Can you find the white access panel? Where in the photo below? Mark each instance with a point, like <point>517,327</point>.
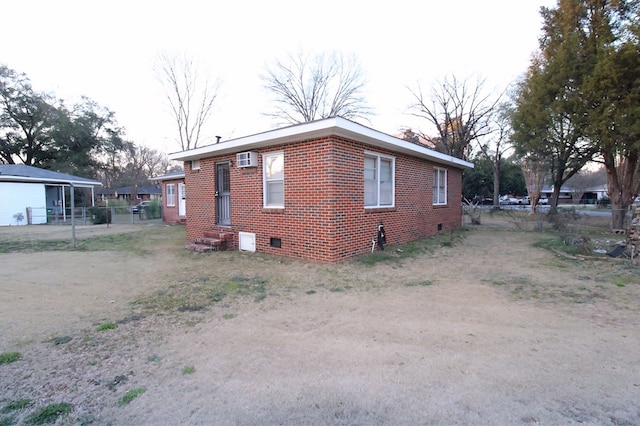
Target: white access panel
<point>247,241</point>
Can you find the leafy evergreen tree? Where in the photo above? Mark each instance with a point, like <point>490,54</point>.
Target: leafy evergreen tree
<point>580,99</point>
<point>614,90</point>
<point>37,129</point>
<point>550,107</point>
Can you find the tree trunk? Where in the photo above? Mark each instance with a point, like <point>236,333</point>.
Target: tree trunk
<point>617,217</point>
<point>553,202</point>
<point>622,178</point>
<point>620,202</point>
<point>496,184</point>
<point>534,204</point>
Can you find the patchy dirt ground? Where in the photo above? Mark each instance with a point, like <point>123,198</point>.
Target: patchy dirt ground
<point>485,329</point>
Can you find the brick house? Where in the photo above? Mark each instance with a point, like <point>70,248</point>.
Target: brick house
<point>173,197</point>
<point>319,190</point>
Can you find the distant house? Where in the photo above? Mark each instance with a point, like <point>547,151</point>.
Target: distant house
<point>571,195</point>
<point>320,190</point>
<point>174,205</point>
<point>596,194</point>
<point>565,196</point>
<point>37,194</point>
<point>134,195</point>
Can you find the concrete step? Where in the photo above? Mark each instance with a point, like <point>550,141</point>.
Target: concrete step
<point>221,235</point>
<point>200,248</point>
<point>208,241</point>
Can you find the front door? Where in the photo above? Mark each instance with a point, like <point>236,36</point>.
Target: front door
<point>182,202</point>
<point>223,194</point>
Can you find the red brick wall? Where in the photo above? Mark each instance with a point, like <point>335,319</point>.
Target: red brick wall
<point>324,216</point>
<point>199,194</point>
<point>170,213</point>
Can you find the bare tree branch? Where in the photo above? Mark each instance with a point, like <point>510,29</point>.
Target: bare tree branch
<point>307,88</point>
<point>459,111</point>
<point>190,96</point>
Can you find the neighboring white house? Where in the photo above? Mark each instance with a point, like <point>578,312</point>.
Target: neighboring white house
<point>29,194</point>
<point>571,195</point>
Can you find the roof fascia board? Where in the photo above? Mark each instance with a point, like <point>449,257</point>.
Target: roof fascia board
<point>337,126</point>
<point>167,177</point>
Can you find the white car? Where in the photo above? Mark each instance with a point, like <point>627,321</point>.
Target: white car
<point>506,200</point>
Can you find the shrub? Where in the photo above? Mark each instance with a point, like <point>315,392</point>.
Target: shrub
<point>100,215</point>
<point>153,210</point>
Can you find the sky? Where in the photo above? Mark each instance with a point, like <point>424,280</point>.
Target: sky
<point>106,50</point>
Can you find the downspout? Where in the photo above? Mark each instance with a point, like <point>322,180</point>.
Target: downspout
<point>64,205</point>
<point>73,215</point>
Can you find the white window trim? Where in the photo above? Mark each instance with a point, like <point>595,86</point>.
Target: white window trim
<point>436,184</point>
<point>264,181</point>
<point>195,164</point>
<point>171,198</point>
<point>379,156</point>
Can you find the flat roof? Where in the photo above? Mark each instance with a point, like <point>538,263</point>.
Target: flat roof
<point>24,173</point>
<point>168,176</point>
<point>334,126</point>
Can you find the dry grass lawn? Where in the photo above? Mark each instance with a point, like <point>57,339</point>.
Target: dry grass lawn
<point>482,326</point>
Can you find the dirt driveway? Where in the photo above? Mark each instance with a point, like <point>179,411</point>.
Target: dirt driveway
<point>487,329</point>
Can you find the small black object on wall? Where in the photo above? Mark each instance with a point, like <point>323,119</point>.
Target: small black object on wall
<point>382,237</point>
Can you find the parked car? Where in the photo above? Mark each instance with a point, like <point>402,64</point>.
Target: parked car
<point>139,208</point>
<point>543,201</point>
<point>507,200</point>
<point>484,201</point>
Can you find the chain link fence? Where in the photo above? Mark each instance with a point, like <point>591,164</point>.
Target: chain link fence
<point>91,215</point>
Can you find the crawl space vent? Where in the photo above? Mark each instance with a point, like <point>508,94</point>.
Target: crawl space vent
<point>275,242</point>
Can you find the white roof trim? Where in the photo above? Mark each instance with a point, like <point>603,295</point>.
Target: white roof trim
<point>45,181</point>
<point>337,126</point>
<point>167,177</point>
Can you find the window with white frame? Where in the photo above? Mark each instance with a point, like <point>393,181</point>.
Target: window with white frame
<point>171,194</point>
<point>439,186</point>
<point>379,183</point>
<point>273,179</point>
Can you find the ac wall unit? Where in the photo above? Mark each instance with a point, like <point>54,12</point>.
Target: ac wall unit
<point>247,159</point>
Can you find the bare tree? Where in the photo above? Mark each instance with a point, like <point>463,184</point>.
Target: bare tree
<point>536,170</point>
<point>497,144</point>
<point>114,163</point>
<point>309,87</point>
<point>146,163</point>
<point>190,95</point>
<point>459,111</point>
